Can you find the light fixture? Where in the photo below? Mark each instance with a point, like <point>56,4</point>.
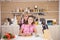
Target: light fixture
<point>35,6</point>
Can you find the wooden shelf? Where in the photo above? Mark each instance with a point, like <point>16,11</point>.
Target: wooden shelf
<point>23,12</point>
<point>16,12</point>
<point>40,13</point>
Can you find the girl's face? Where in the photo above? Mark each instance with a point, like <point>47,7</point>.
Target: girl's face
<point>30,20</point>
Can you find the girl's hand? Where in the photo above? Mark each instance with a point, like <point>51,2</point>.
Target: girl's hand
<point>26,34</point>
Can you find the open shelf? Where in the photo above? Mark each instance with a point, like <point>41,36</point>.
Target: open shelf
<point>18,13</point>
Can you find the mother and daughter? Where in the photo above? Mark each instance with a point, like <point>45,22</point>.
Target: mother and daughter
<point>28,27</point>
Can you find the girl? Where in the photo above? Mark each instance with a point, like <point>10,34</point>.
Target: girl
<point>28,28</point>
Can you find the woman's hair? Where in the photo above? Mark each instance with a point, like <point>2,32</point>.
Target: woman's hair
<point>25,21</point>
<point>25,14</point>
<point>32,17</point>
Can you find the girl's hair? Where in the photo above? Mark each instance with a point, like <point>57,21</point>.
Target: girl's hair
<point>33,19</point>
<point>26,21</point>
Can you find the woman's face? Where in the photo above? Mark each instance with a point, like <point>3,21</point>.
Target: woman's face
<point>30,20</point>
<point>25,17</point>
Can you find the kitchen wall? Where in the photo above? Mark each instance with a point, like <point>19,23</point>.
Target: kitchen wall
<point>28,0</point>
<point>0,19</point>
<point>52,7</point>
<point>0,13</point>
<point>59,11</point>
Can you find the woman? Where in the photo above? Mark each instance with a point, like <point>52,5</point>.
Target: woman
<point>28,28</point>
<point>23,19</point>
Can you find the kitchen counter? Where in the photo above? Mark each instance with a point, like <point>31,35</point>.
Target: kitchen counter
<point>54,30</point>
<point>29,38</point>
<point>14,29</point>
